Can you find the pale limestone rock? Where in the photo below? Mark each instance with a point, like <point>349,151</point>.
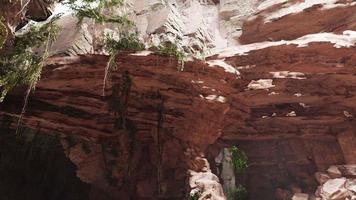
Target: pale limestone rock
<point>347,170</point>
<point>260,84</point>
<point>300,196</point>
<point>205,183</point>
<point>351,186</point>
<point>227,172</point>
<point>73,39</point>
<point>321,177</point>
<point>196,26</point>
<point>288,74</point>
<point>334,172</point>
<point>334,189</point>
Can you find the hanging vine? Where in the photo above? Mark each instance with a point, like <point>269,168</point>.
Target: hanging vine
<point>127,42</point>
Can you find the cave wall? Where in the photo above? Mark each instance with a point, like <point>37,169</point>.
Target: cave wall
<point>33,166</point>
<point>287,163</point>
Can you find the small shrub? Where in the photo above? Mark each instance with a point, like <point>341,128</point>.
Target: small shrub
<point>194,196</point>
<point>239,160</point>
<point>171,49</point>
<point>238,193</point>
<point>97,10</point>
<point>21,65</point>
<point>126,42</point>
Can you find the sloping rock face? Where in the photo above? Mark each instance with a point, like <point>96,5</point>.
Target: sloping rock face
<point>147,157</point>
<point>196,26</point>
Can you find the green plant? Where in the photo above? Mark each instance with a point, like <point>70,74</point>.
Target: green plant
<point>127,42</point>
<point>239,160</point>
<point>21,65</point>
<point>170,49</point>
<point>98,10</point>
<point>237,193</point>
<point>101,11</point>
<point>194,196</point>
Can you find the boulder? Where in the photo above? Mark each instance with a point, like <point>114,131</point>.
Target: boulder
<point>351,186</point>
<point>334,189</point>
<point>334,172</point>
<point>74,38</point>
<point>205,183</point>
<point>347,170</point>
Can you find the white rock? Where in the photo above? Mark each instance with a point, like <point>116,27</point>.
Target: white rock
<point>334,189</point>
<point>227,171</point>
<point>260,84</point>
<point>72,39</point>
<point>206,184</point>
<point>351,185</point>
<point>347,170</point>
<point>221,63</point>
<point>334,172</point>
<point>291,114</point>
<point>300,196</point>
<point>288,74</point>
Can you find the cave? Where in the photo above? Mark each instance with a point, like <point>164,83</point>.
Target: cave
<point>33,166</point>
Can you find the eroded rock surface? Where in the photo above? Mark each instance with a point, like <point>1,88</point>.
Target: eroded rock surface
<point>286,96</point>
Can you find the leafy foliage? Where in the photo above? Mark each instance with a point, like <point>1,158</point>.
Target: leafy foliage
<point>97,10</point>
<point>171,50</point>
<point>127,42</point>
<point>238,193</point>
<point>239,159</point>
<point>21,65</point>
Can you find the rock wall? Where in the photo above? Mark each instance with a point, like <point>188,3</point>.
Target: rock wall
<point>34,167</point>
<point>149,159</point>
<point>285,95</point>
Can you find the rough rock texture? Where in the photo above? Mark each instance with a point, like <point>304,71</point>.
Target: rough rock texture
<point>74,38</point>
<point>342,187</point>
<point>196,26</point>
<point>204,183</point>
<point>67,102</point>
<point>290,107</point>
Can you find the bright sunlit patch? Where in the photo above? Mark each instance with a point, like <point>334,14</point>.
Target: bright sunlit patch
<point>347,39</point>
<point>61,9</point>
